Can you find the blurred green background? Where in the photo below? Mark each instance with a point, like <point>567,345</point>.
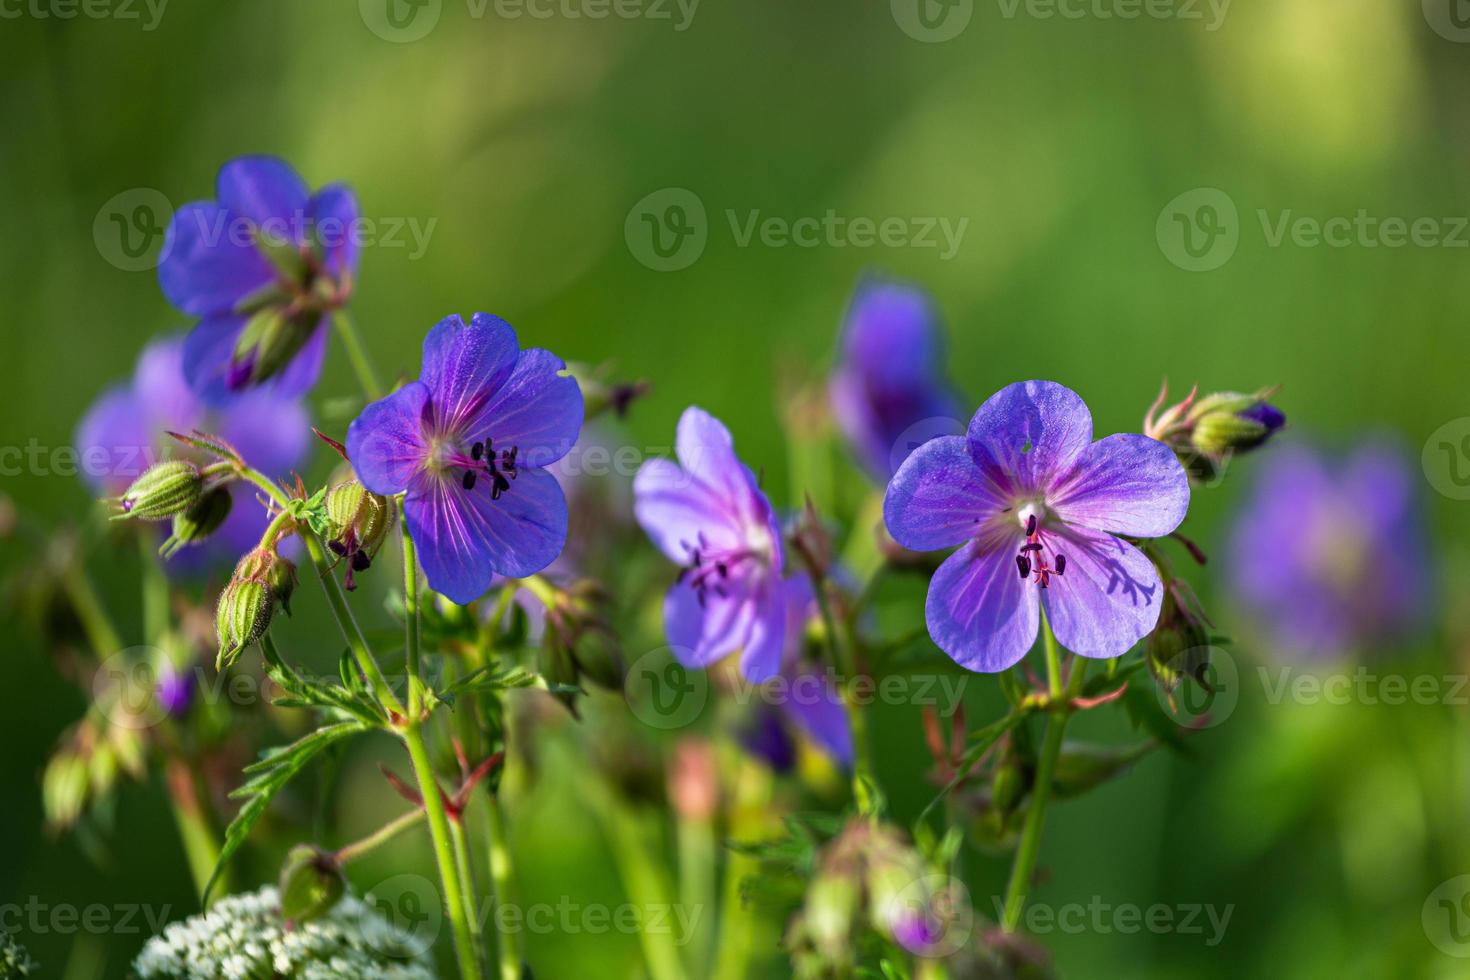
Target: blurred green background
<point>523,143</point>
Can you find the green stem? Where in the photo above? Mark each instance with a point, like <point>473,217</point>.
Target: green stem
<point>355,640</point>
<point>643,873</point>
<point>101,634</point>
<point>457,902</point>
<point>461,844</point>
<point>1024,867</point>
<point>201,844</point>
<point>843,658</point>
<point>155,592</point>
<point>357,354</point>
<point>439,833</point>
<point>379,837</point>
<point>751,817</point>
<point>502,881</point>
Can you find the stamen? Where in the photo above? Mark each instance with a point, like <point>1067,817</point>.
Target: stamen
<point>469,479</point>
<point>477,451</point>
<point>1023,564</point>
<point>1030,525</point>
<point>1061,563</point>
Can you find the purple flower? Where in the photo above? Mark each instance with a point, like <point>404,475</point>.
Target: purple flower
<point>1035,505</point>
<point>175,690</point>
<point>263,266</point>
<point>125,431</point>
<point>810,702</point>
<point>887,392</point>
<point>1333,556</point>
<point>708,514</point>
<point>467,443</point>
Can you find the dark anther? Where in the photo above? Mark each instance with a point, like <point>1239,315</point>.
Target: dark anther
<point>469,479</point>
<point>1031,546</point>
<point>361,561</point>
<point>477,450</point>
<point>723,569</point>
<point>338,548</point>
<point>501,485</point>
<point>1061,563</point>
<point>1023,564</point>
<point>1030,525</point>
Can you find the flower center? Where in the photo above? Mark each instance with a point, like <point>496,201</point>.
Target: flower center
<point>497,468</point>
<point>1031,560</point>
<point>711,568</point>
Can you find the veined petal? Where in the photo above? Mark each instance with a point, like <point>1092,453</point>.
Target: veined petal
<point>386,443</point>
<point>207,266</point>
<point>1109,598</point>
<point>979,610</point>
<point>537,410</point>
<point>674,509</point>
<point>939,498</point>
<point>333,212</point>
<point>465,537</point>
<point>262,188</point>
<point>707,453</point>
<point>464,365</point>
<point>1028,433</point>
<point>1127,484</point>
<point>703,633</point>
<point>760,659</point>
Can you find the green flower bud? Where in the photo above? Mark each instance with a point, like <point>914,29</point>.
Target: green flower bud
<point>311,883</point>
<point>357,522</point>
<point>200,521</point>
<point>1007,784</point>
<point>1082,767</point>
<point>1206,432</point>
<point>261,579</point>
<point>164,489</point>
<point>267,344</point>
<point>64,788</point>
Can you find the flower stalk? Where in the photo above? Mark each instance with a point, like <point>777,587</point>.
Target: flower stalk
<point>1023,869</point>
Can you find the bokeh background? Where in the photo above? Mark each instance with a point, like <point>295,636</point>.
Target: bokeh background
<point>523,146</point>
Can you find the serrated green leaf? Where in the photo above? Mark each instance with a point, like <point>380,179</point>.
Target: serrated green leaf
<point>268,776</point>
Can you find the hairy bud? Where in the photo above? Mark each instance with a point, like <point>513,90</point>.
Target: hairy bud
<point>357,522</point>
<point>1206,432</point>
<point>200,521</point>
<point>262,579</point>
<point>164,489</point>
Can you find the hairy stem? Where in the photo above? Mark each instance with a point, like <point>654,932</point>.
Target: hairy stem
<point>1023,869</point>
<point>458,904</point>
<point>379,837</point>
<point>355,640</point>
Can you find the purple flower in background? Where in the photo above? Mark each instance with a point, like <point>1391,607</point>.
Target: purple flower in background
<point>1035,505</point>
<point>263,266</point>
<point>1333,556</point>
<point>708,514</point>
<point>887,392</point>
<point>125,431</point>
<point>467,443</point>
<point>810,702</point>
<point>175,690</point>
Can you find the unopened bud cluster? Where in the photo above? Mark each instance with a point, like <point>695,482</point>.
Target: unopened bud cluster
<point>1205,432</point>
<point>248,601</point>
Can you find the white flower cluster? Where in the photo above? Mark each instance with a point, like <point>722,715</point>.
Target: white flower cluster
<point>243,937</point>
